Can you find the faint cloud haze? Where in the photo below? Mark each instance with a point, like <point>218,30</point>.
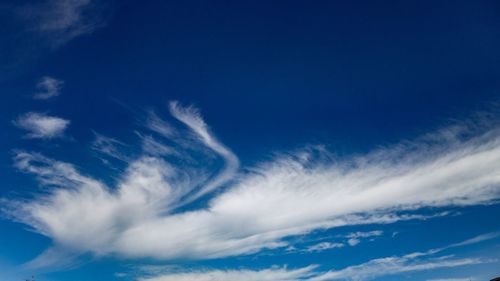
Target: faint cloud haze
<point>41,125</point>
<point>60,21</point>
<point>48,87</point>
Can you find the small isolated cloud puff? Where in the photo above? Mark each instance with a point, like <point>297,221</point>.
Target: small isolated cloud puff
<point>353,242</point>
<point>41,126</point>
<point>48,87</point>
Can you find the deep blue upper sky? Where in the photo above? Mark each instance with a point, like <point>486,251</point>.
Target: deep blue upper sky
<point>268,77</point>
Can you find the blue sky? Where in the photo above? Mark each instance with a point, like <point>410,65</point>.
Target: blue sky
<point>261,140</point>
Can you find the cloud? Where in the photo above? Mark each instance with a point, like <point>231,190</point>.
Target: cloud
<point>293,194</point>
<point>417,261</point>
<point>109,147</point>
<point>49,87</point>
<point>372,269</point>
<point>273,274</point>
<point>191,117</point>
<point>354,237</point>
<point>366,234</point>
<point>320,247</point>
<point>453,279</point>
<point>353,241</point>
<point>41,126</point>
<point>155,148</point>
<point>367,271</point>
<point>158,125</point>
<point>63,20</point>
<point>392,266</point>
<point>477,239</point>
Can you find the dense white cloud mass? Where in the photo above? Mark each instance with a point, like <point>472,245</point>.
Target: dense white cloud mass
<point>291,195</point>
<point>42,126</point>
<point>48,87</point>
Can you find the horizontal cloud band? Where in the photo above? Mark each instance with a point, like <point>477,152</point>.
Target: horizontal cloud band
<point>291,195</point>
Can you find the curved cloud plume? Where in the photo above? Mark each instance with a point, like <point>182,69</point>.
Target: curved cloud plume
<point>291,195</point>
<point>191,118</point>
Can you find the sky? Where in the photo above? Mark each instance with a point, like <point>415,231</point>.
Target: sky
<point>249,140</point>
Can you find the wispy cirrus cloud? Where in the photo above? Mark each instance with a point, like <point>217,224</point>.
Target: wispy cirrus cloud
<point>320,247</point>
<point>272,274</point>
<point>293,194</point>
<point>354,238</point>
<point>417,261</point>
<point>393,266</point>
<point>191,117</point>
<point>48,87</point>
<point>367,271</point>
<point>454,279</point>
<point>41,125</point>
<point>372,269</point>
<point>109,147</point>
<point>60,21</point>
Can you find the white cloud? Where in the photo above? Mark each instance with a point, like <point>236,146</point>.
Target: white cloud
<point>354,238</point>
<point>155,148</point>
<point>291,195</point>
<point>418,261</point>
<point>477,239</point>
<point>323,246</point>
<point>366,271</point>
<point>454,279</point>
<point>380,267</point>
<point>40,125</point>
<point>353,241</point>
<point>392,266</point>
<point>191,117</point>
<point>156,124</point>
<point>62,20</point>
<point>272,274</point>
<point>49,87</point>
<point>366,234</point>
<point>109,147</point>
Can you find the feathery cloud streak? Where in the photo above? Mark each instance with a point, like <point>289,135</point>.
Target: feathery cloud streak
<point>63,20</point>
<point>291,195</point>
<point>418,261</point>
<point>273,274</point>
